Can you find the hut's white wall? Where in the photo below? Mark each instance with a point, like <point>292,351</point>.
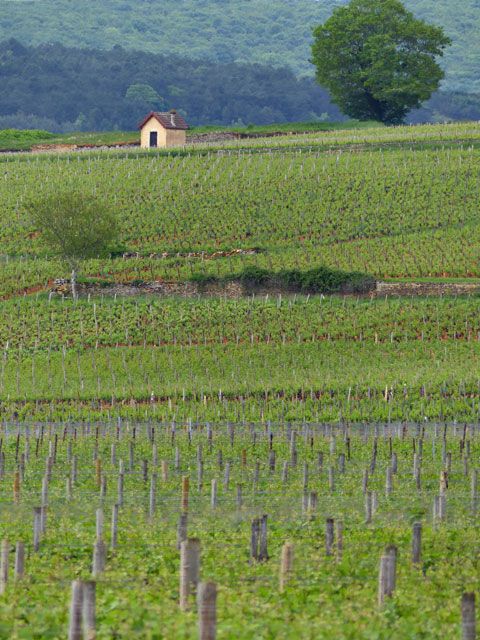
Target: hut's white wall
<point>176,137</point>
<point>165,137</point>
<point>152,125</point>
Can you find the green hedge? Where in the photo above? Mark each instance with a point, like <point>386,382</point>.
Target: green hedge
<point>318,280</point>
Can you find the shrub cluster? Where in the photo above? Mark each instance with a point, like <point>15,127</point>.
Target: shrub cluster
<point>318,280</point>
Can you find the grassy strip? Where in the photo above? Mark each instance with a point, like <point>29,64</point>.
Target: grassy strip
<point>287,127</point>
<point>435,280</point>
<point>23,140</point>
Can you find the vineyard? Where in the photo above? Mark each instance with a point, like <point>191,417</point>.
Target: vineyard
<point>406,211</point>
<point>334,199</point>
<point>282,530</point>
<point>281,464</point>
<point>302,358</point>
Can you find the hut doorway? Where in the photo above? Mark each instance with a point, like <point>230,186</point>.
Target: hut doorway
<point>153,139</point>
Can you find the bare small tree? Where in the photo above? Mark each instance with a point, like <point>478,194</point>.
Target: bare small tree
<point>75,227</point>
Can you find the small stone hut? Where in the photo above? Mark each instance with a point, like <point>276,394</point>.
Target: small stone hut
<point>162,129</point>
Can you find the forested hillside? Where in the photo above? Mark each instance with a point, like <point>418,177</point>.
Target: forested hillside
<point>84,89</point>
<point>274,32</point>
<point>65,89</point>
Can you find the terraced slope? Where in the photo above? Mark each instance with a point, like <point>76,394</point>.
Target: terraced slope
<point>399,202</point>
<point>388,202</point>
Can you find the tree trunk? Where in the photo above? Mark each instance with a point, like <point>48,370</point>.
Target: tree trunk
<point>375,106</point>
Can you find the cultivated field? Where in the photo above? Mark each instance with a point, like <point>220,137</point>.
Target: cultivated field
<point>289,521</point>
<point>287,403</point>
<point>255,359</point>
<point>399,202</point>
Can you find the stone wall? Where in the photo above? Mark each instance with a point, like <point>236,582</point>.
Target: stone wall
<point>426,288</point>
<point>182,289</point>
<point>235,289</point>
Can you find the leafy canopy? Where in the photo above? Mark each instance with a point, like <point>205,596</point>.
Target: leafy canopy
<point>144,95</point>
<point>377,60</point>
<point>74,226</point>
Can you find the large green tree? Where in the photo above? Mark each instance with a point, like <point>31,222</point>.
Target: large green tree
<point>377,59</point>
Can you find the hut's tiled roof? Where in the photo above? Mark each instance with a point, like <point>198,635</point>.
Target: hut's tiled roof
<point>168,119</point>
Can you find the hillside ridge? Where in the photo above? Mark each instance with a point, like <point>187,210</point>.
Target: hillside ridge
<point>274,32</point>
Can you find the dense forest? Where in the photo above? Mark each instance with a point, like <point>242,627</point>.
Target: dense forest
<point>63,89</point>
<point>85,89</point>
<point>271,32</point>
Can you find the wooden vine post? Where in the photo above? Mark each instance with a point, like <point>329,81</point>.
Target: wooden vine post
<point>99,557</point>
<point>98,472</point>
<point>37,527</point>
<point>286,565</point>
<point>75,631</point>
<point>207,610</point>
<point>89,610</point>
<point>82,623</point>
<point>185,492</point>
<point>469,624</point>
<point>5,548</point>
<point>417,543</point>
<point>387,574</point>
<point>16,487</point>
<point>329,536</point>
<point>19,560</point>
<point>189,569</point>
